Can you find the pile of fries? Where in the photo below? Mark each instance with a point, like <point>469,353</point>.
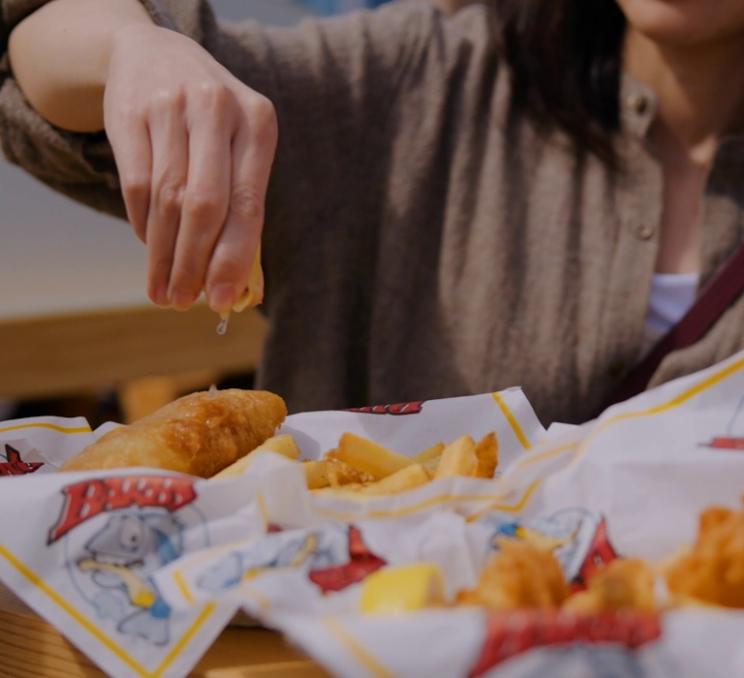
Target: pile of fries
<point>362,467</point>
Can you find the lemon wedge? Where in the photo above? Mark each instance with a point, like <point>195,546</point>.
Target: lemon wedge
<point>252,296</point>
<point>254,292</point>
<point>404,588</point>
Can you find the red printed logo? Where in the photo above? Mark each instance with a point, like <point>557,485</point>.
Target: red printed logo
<point>89,498</point>
<point>599,553</point>
<point>397,409</point>
<point>362,562</point>
<point>733,440</point>
<point>15,466</point>
<point>513,633</point>
<point>726,443</point>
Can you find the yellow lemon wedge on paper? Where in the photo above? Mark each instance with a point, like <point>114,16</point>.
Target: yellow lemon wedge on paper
<point>404,588</point>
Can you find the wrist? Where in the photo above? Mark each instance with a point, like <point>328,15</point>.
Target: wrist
<point>125,37</point>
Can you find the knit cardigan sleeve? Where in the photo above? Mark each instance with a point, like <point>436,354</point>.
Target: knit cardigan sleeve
<point>331,81</point>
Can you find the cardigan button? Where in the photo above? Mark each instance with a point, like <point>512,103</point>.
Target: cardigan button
<point>638,103</point>
<point>645,231</point>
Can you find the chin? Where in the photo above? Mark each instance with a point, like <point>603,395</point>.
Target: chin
<point>685,22</point>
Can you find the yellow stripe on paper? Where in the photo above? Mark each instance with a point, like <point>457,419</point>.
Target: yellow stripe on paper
<point>508,508</point>
<point>184,640</point>
<point>518,432</point>
<point>356,650</point>
<point>263,511</point>
<point>406,510</point>
<point>51,427</point>
<point>678,400</point>
<point>94,631</point>
<point>514,507</point>
<point>535,457</point>
<point>182,587</point>
<point>39,583</point>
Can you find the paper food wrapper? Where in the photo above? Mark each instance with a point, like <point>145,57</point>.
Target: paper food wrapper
<point>142,569</point>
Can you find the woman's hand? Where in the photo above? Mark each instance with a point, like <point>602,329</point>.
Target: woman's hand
<point>194,149</point>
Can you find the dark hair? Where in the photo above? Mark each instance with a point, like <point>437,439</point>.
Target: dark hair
<point>565,59</point>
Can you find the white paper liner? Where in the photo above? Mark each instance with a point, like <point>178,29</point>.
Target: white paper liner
<point>142,569</point>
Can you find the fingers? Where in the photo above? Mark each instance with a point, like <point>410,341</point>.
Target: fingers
<point>253,151</point>
<point>194,148</point>
<point>194,186</point>
<point>206,199</point>
<point>169,140</point>
<point>130,141</point>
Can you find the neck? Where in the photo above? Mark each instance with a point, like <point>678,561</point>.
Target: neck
<point>699,90</point>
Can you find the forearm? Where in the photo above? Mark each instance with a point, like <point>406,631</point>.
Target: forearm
<point>60,55</point>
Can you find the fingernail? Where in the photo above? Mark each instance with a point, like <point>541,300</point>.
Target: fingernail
<point>181,299</point>
<point>160,295</point>
<point>222,297</point>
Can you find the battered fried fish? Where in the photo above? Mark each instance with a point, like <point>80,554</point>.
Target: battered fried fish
<point>519,575</point>
<point>199,434</point>
<point>712,571</point>
<point>625,583</point>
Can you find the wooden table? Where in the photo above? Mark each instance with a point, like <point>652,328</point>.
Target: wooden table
<point>31,648</point>
<point>147,353</point>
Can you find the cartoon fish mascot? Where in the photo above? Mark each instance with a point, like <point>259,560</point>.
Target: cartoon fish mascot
<point>303,549</point>
<point>124,555</point>
<point>333,557</point>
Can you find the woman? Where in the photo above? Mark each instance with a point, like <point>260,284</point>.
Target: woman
<point>455,205</point>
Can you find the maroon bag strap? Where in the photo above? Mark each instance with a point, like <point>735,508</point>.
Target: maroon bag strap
<point>722,290</point>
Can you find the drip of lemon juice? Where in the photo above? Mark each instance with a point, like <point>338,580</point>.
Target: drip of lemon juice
<point>222,326</point>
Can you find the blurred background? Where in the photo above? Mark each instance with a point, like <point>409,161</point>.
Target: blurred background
<point>77,333</point>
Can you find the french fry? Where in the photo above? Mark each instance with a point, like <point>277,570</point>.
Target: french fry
<point>432,464</point>
<point>363,466</point>
<point>340,473</point>
<point>458,459</point>
<point>430,458</point>
<point>369,457</point>
<point>430,454</point>
<point>283,444</point>
<point>406,479</point>
<point>316,474</point>
<point>487,453</point>
<point>431,468</point>
<point>235,469</point>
